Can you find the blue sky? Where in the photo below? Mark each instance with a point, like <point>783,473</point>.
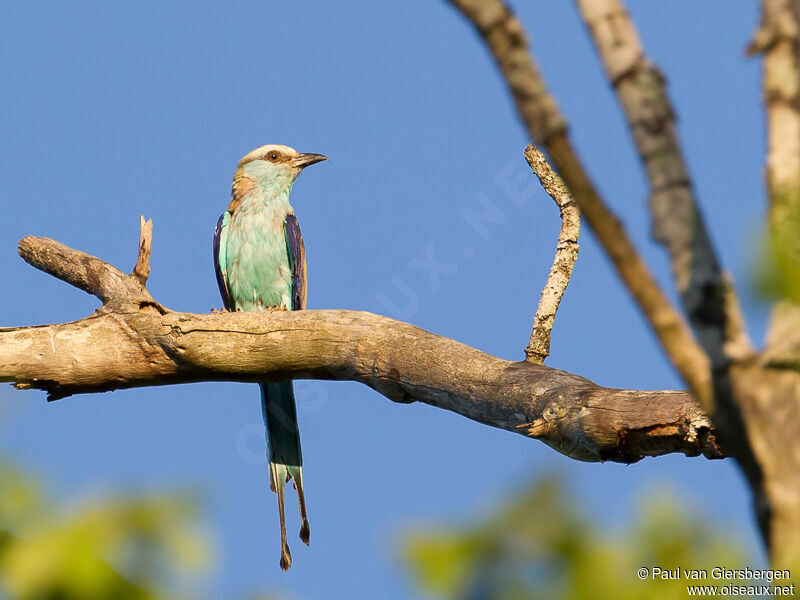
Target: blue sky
<point>116,110</point>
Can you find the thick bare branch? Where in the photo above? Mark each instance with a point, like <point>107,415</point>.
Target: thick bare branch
<point>705,291</point>
<point>505,37</point>
<point>584,421</point>
<point>566,254</point>
<point>134,346</point>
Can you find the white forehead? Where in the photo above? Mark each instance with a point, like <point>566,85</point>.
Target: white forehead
<point>264,150</point>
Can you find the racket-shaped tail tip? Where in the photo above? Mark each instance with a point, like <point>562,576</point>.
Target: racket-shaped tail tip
<point>296,473</point>
<point>286,557</point>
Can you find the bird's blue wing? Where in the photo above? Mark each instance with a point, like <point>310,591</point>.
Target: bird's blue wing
<point>297,261</point>
<point>221,258</point>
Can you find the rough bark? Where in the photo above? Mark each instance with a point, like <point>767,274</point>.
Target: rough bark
<point>132,341</point>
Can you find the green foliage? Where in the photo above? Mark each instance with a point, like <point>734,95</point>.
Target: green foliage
<point>120,548</point>
<point>540,545</point>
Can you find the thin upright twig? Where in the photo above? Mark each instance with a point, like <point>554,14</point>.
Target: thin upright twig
<point>142,269</point>
<point>566,254</point>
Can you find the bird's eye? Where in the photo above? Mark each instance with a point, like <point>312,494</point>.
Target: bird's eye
<point>273,156</point>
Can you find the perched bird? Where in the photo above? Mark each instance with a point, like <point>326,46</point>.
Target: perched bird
<point>260,263</point>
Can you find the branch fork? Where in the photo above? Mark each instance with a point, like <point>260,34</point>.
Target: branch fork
<point>117,291</point>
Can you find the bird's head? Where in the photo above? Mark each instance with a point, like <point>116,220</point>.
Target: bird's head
<point>275,166</point>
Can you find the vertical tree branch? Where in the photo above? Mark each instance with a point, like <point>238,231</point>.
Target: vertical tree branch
<point>677,223</point>
<point>778,39</point>
<point>505,37</point>
<point>566,254</point>
<point>777,389</point>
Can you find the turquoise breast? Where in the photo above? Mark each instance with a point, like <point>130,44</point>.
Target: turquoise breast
<point>258,269</point>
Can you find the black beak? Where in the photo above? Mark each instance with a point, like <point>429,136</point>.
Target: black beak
<point>306,159</point>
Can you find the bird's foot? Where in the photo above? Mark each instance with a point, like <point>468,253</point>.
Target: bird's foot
<point>219,312</point>
<point>276,308</point>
